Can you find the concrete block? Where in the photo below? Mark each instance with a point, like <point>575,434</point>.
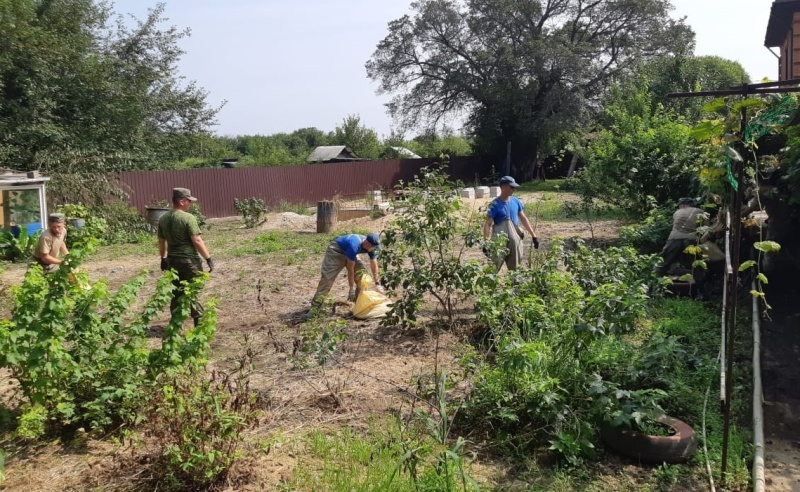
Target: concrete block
<point>481,191</point>
<point>467,193</point>
<point>494,191</point>
<point>375,195</point>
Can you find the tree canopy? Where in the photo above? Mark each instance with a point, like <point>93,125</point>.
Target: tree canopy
<point>82,90</point>
<point>522,71</point>
<point>689,74</point>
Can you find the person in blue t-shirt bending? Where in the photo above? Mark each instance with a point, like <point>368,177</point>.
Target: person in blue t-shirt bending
<point>343,252</point>
<point>504,216</point>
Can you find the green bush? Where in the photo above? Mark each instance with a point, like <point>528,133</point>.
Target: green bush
<point>251,210</point>
<point>198,214</point>
<point>80,352</point>
<point>642,158</point>
<point>124,223</point>
<point>649,235</point>
<point>197,423</point>
<point>424,249</point>
<point>20,247</point>
<point>94,227</point>
<point>557,330</point>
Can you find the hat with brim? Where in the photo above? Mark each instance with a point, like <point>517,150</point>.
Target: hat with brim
<point>508,180</point>
<point>686,200</point>
<point>178,193</point>
<point>374,240</point>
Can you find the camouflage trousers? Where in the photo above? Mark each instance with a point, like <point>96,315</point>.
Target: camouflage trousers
<point>187,269</point>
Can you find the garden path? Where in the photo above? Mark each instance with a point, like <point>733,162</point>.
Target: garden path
<point>780,340</point>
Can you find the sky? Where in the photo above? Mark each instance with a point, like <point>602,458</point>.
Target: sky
<point>281,65</point>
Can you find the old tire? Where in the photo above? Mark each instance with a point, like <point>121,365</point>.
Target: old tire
<point>676,448</point>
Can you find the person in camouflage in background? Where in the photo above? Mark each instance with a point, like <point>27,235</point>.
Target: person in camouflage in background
<point>181,247</point>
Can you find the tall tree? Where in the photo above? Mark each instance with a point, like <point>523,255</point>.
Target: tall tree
<point>361,140</point>
<point>80,92</point>
<point>523,71</point>
<point>643,157</point>
<point>690,73</point>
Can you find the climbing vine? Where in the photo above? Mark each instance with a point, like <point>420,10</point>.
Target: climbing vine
<point>726,140</point>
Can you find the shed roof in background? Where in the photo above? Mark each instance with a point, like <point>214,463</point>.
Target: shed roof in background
<point>9,177</point>
<point>327,153</point>
<point>405,153</point>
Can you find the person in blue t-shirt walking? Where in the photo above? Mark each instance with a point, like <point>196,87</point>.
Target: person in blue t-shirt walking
<point>504,216</point>
<point>343,252</point>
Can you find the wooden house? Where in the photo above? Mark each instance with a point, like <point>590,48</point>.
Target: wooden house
<point>783,32</point>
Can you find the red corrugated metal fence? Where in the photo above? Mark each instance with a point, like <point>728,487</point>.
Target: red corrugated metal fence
<point>216,188</point>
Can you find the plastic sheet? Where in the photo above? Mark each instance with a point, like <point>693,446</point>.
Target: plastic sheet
<point>370,303</point>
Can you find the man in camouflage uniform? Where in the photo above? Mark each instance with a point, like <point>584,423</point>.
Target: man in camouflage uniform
<point>181,246</point>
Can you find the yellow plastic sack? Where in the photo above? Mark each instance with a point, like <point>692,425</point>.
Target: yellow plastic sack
<point>370,303</point>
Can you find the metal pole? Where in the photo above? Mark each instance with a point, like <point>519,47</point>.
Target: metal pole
<point>759,480</point>
<point>723,352</point>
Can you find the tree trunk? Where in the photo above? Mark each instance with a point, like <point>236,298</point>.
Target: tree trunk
<point>507,163</point>
<point>572,165</point>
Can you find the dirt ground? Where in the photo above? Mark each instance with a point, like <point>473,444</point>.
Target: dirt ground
<point>377,371</point>
<point>780,357</point>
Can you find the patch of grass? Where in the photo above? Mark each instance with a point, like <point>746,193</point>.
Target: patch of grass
<point>553,207</point>
<point>144,248</point>
<point>696,325</point>
<point>301,208</point>
<point>555,185</point>
<point>346,462</point>
<point>550,208</point>
<point>287,242</point>
<point>392,455</point>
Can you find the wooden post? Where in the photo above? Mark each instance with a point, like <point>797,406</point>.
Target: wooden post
<point>327,216</point>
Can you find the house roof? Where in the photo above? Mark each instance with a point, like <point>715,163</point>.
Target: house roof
<point>780,21</point>
<point>326,153</point>
<point>404,152</point>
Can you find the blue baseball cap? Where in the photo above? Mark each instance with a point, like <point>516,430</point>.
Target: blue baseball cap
<point>374,239</point>
<point>508,180</point>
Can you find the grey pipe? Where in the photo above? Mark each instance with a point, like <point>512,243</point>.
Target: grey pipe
<point>759,481</point>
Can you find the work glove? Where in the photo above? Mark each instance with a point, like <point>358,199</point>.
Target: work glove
<point>535,241</point>
<point>210,263</point>
<point>485,251</point>
<point>351,296</point>
<point>164,264</point>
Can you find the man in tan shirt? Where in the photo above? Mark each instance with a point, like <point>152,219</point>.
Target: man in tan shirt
<point>52,246</point>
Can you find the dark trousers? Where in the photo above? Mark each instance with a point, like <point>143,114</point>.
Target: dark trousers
<point>187,269</point>
<point>672,252</point>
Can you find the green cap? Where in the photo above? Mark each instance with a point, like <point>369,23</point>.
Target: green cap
<point>178,193</point>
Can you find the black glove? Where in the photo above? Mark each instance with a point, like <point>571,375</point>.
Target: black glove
<point>485,251</point>
<point>351,296</point>
<point>164,264</point>
<point>210,263</point>
<point>535,242</point>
